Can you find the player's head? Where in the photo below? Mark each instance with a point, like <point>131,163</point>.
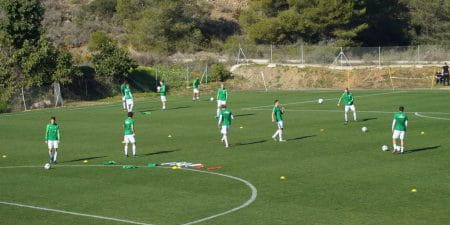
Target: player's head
<point>53,120</point>
<point>130,114</point>
<point>161,82</point>
<point>445,63</point>
<point>127,84</point>
<point>222,85</point>
<point>346,90</point>
<point>401,109</point>
<point>276,102</point>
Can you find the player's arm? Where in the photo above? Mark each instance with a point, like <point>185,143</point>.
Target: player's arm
<point>59,136</point>
<point>218,93</point>
<point>232,116</point>
<point>46,134</point>
<point>393,124</point>
<point>273,115</point>
<point>132,128</point>
<point>340,99</point>
<point>226,95</point>
<point>220,121</point>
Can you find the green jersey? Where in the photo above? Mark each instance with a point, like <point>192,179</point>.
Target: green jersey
<point>127,92</point>
<point>128,126</point>
<point>52,132</point>
<point>122,88</point>
<point>222,94</point>
<point>225,117</point>
<point>196,84</point>
<point>400,119</point>
<point>278,113</point>
<point>347,98</point>
<point>162,90</point>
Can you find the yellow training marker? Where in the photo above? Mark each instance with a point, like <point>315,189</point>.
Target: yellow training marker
<point>282,178</point>
<point>413,190</point>
<point>85,161</point>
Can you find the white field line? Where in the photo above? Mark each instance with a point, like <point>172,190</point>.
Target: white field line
<point>245,204</point>
<point>328,99</point>
<point>73,213</point>
<point>430,117</point>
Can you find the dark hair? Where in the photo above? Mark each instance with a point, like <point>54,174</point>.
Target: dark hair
<point>53,118</point>
<point>401,108</point>
<point>130,114</point>
<point>223,106</point>
<point>275,101</point>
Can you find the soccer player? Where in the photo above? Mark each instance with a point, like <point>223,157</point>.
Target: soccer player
<point>222,97</point>
<point>277,117</point>
<point>399,126</point>
<point>162,92</point>
<point>445,74</point>
<point>122,90</point>
<point>128,98</point>
<point>52,138</point>
<point>347,98</point>
<point>196,93</point>
<point>224,123</point>
<point>130,134</point>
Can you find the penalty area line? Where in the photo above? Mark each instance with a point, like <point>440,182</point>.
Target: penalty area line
<point>73,213</point>
<point>430,117</point>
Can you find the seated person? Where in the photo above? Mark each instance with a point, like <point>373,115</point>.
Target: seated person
<point>439,78</point>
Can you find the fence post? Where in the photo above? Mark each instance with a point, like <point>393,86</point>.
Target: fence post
<point>302,53</point>
<point>379,56</point>
<point>418,55</point>
<point>271,53</point>
<point>23,99</point>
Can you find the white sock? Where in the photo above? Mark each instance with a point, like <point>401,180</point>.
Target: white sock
<point>164,106</point>
<point>395,147</point>
<point>346,119</point>
<point>51,155</point>
<point>280,134</point>
<point>354,116</point>
<point>402,149</point>
<point>223,138</point>
<point>198,98</point>
<point>218,110</point>
<point>226,140</point>
<point>276,134</point>
<point>55,155</point>
<point>131,108</point>
<point>126,149</point>
<point>134,149</point>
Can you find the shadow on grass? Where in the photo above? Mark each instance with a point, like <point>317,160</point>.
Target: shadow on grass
<point>300,138</point>
<point>179,107</point>
<point>242,115</point>
<point>423,149</point>
<point>250,143</point>
<point>368,119</point>
<point>160,152</point>
<point>82,159</point>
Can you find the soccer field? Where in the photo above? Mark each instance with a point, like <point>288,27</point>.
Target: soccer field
<point>335,173</point>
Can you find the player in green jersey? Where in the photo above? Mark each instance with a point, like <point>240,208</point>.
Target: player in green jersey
<point>222,97</point>
<point>52,139</point>
<point>128,98</point>
<point>196,87</point>
<point>122,90</point>
<point>129,134</point>
<point>399,126</point>
<point>224,124</point>
<point>277,117</point>
<point>348,100</point>
<point>162,93</point>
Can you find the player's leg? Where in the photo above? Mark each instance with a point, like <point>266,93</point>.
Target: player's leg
<point>124,103</point>
<point>224,132</point>
<point>353,108</point>
<point>395,136</point>
<point>131,105</point>
<point>219,103</point>
<point>133,143</point>
<point>55,151</point>
<point>277,132</point>
<point>127,141</point>
<point>345,114</point>
<point>280,130</point>
<point>163,101</point>
<point>402,142</point>
<point>50,152</point>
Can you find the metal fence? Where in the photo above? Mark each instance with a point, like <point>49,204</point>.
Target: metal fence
<point>352,56</point>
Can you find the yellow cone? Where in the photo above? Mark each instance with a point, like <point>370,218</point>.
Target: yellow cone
<point>413,190</point>
<point>282,178</point>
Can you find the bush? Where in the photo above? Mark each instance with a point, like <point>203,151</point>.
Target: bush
<point>219,72</point>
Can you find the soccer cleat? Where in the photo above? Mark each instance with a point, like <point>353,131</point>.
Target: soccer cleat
<point>54,162</point>
<point>274,138</point>
<point>282,140</point>
<point>126,155</point>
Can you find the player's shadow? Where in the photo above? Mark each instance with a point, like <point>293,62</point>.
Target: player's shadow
<point>300,138</point>
<point>242,115</point>
<point>87,158</point>
<point>160,152</point>
<point>368,119</point>
<point>179,107</point>
<point>423,149</point>
<point>251,143</point>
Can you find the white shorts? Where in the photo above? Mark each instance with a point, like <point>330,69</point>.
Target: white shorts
<point>220,103</point>
<point>398,134</point>
<point>350,107</point>
<point>129,101</point>
<point>224,129</point>
<point>163,99</point>
<point>280,124</point>
<point>129,139</point>
<point>196,91</point>
<point>53,144</point>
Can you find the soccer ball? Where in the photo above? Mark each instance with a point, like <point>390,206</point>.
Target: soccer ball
<point>211,99</point>
<point>320,101</point>
<point>47,166</point>
<point>384,148</point>
<point>158,88</point>
<point>364,129</point>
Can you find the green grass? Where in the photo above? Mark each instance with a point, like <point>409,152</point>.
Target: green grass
<point>338,176</point>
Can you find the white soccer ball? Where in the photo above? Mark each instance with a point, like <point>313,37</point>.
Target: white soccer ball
<point>320,101</point>
<point>158,88</point>
<point>364,129</point>
<point>47,166</point>
<point>384,148</point>
<point>211,99</point>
